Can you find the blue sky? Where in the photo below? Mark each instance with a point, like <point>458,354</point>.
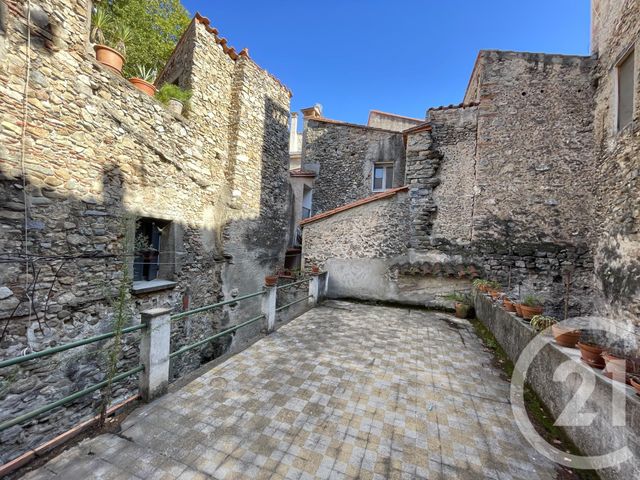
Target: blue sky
<point>399,56</point>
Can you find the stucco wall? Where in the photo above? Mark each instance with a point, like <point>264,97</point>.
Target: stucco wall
<point>343,156</point>
<point>616,29</point>
<point>98,151</point>
<point>389,121</point>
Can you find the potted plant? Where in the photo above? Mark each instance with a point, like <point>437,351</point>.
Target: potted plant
<point>109,51</point>
<point>508,305</point>
<point>480,284</point>
<point>271,280</point>
<point>542,322</point>
<point>565,337</point>
<point>634,380</point>
<point>144,80</point>
<point>518,307</point>
<point>531,305</point>
<point>591,355</point>
<point>463,304</point>
<point>618,368</point>
<point>174,97</point>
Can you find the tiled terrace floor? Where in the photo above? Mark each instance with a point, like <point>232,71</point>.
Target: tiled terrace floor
<point>344,391</point>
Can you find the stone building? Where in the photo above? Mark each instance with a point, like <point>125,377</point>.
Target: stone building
<point>532,181</point>
<point>89,165</point>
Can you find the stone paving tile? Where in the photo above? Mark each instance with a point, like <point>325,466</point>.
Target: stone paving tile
<point>344,391</point>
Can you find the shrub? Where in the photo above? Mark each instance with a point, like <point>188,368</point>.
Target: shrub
<point>169,91</point>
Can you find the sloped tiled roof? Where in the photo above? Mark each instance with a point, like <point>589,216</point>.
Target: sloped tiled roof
<point>357,203</point>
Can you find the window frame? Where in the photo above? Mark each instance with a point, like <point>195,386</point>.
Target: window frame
<point>629,54</point>
<point>166,260</point>
<point>384,166</point>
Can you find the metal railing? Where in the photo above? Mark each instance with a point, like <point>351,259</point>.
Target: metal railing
<point>268,312</point>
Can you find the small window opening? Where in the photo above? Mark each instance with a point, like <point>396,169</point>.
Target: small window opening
<point>382,177</point>
<point>626,76</point>
<point>151,242</point>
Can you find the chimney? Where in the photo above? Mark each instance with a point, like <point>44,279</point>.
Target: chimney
<point>293,134</point>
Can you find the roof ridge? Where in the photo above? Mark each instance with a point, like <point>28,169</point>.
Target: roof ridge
<point>363,201</point>
<point>231,51</point>
<point>459,105</point>
<point>394,115</point>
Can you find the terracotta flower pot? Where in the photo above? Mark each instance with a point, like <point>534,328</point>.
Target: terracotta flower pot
<point>591,355</point>
<point>143,86</point>
<point>495,294</point>
<point>315,269</point>
<point>109,57</point>
<point>462,310</point>
<point>518,307</point>
<point>271,280</point>
<point>508,305</point>
<point>565,337</point>
<point>529,312</point>
<point>618,368</point>
<point>635,383</point>
<point>176,106</point>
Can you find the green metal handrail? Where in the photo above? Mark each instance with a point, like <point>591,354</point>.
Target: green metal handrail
<point>287,285</point>
<point>206,308</point>
<point>186,348</point>
<point>294,302</point>
<point>67,346</point>
<point>70,398</point>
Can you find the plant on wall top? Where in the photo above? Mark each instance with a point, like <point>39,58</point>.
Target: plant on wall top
<point>100,22</point>
<point>532,301</point>
<point>542,322</point>
<point>169,91</point>
<point>458,297</point>
<point>147,74</point>
<point>155,25</point>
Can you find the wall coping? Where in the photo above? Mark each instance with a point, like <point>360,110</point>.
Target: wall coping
<point>357,203</point>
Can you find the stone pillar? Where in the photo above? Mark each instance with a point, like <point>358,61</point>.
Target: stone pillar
<point>317,288</point>
<point>269,306</point>
<point>154,352</point>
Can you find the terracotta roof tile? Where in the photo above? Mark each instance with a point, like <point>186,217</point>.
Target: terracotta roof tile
<point>231,51</point>
<point>299,172</point>
<point>460,105</point>
<point>357,203</point>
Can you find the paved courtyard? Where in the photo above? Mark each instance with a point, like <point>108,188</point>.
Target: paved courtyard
<point>344,391</point>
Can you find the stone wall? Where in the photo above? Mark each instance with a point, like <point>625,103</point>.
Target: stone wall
<point>376,229</point>
<point>494,180</point>
<point>390,121</point>
<point>343,156</point>
<point>616,30</point>
<point>97,155</point>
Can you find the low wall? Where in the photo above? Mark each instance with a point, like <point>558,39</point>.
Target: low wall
<point>601,436</point>
<point>378,279</point>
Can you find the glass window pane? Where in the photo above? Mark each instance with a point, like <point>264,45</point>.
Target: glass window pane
<point>378,173</point>
<point>625,91</point>
<point>389,177</point>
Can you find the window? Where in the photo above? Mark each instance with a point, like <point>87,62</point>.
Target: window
<point>306,202</point>
<point>625,90</point>
<point>382,177</point>
<point>154,261</point>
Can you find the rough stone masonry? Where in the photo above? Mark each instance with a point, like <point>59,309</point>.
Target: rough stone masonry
<point>100,155</point>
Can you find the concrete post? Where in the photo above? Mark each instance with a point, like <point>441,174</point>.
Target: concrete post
<point>154,352</point>
<point>317,288</point>
<point>269,306</point>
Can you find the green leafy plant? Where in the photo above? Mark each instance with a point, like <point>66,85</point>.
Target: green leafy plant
<point>494,285</point>
<point>480,283</point>
<point>542,322</point>
<point>532,301</point>
<point>147,74</point>
<point>170,91</point>
<point>101,21</point>
<point>122,34</point>
<point>459,297</point>
<point>156,27</point>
